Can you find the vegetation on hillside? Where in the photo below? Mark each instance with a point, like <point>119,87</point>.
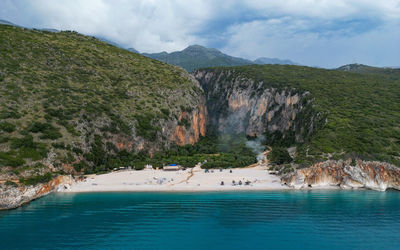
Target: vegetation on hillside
<point>69,99</point>
<point>62,92</point>
<point>362,111</point>
<point>212,151</point>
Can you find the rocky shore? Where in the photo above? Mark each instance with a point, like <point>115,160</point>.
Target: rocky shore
<point>325,175</point>
<point>13,197</point>
<point>345,175</point>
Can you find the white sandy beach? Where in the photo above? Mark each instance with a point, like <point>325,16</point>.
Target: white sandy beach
<point>190,180</point>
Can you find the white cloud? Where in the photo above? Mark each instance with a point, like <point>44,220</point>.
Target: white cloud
<point>146,25</point>
<point>295,39</point>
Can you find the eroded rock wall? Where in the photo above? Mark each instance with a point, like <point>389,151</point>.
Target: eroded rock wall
<point>237,104</point>
<point>12,197</point>
<point>364,174</point>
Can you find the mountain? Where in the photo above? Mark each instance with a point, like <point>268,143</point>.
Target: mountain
<point>5,22</point>
<point>365,69</point>
<point>133,50</point>
<point>196,56</point>
<point>266,60</point>
<point>360,68</point>
<point>72,103</point>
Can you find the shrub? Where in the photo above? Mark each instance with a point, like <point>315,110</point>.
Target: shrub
<point>166,112</point>
<point>7,159</point>
<point>9,114</point>
<point>7,127</point>
<point>184,122</point>
<point>33,180</point>
<point>81,165</point>
<point>279,156</point>
<point>11,184</point>
<point>48,131</point>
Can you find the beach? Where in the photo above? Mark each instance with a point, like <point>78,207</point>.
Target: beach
<point>190,180</point>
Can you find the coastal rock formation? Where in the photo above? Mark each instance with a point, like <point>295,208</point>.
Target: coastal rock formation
<point>365,174</point>
<point>236,104</point>
<point>12,197</point>
<point>189,126</point>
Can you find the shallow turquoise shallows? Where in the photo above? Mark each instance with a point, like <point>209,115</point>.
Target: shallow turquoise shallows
<point>232,220</point>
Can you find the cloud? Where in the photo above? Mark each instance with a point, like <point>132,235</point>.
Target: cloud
<point>317,42</point>
<point>146,25</point>
<point>314,32</point>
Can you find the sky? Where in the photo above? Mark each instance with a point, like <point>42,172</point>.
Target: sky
<point>323,33</point>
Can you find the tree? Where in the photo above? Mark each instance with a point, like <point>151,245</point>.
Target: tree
<point>279,156</point>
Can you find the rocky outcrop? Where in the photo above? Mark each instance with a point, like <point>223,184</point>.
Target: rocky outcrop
<point>371,175</point>
<point>237,104</point>
<point>190,126</point>
<point>12,197</point>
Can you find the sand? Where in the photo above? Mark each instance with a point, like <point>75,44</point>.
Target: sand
<point>190,180</point>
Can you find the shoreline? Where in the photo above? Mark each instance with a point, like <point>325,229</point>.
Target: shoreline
<point>255,178</point>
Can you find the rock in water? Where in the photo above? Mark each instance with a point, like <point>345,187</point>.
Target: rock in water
<point>365,174</point>
<point>13,197</point>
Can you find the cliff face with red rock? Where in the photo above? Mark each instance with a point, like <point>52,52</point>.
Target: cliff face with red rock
<point>194,126</point>
<point>364,174</point>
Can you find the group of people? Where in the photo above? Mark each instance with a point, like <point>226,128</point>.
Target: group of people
<point>234,183</point>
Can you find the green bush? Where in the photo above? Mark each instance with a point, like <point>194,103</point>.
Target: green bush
<point>27,148</point>
<point>11,184</point>
<point>184,122</point>
<point>33,180</point>
<point>48,130</point>
<point>10,159</point>
<point>7,127</point>
<point>166,112</point>
<point>279,156</point>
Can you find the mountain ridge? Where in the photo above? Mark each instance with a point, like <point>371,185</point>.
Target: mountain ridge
<point>196,56</point>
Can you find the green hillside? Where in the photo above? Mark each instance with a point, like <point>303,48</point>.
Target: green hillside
<point>66,97</point>
<point>365,69</point>
<point>362,110</point>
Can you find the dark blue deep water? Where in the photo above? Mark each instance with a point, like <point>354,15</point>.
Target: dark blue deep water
<point>232,220</point>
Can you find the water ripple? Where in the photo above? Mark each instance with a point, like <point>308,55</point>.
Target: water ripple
<point>241,220</point>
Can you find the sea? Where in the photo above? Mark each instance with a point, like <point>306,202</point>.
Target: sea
<point>210,220</point>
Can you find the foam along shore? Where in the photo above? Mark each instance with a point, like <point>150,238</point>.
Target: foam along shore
<point>194,179</point>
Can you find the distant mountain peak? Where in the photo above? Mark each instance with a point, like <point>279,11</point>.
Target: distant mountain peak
<point>195,46</point>
<point>366,69</point>
<point>2,21</point>
<point>133,50</point>
<point>267,60</point>
<point>353,67</point>
<point>197,56</point>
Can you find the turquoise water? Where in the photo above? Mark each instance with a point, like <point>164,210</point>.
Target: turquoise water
<point>232,220</point>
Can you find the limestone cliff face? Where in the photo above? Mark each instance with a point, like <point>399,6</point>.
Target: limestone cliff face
<point>12,197</point>
<point>240,105</point>
<point>184,124</point>
<point>371,175</point>
<point>195,126</point>
<point>188,124</point>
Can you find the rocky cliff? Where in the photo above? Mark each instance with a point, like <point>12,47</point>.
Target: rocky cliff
<point>364,174</point>
<point>12,197</point>
<point>237,104</point>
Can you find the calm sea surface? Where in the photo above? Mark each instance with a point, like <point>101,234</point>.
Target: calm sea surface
<point>231,220</point>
